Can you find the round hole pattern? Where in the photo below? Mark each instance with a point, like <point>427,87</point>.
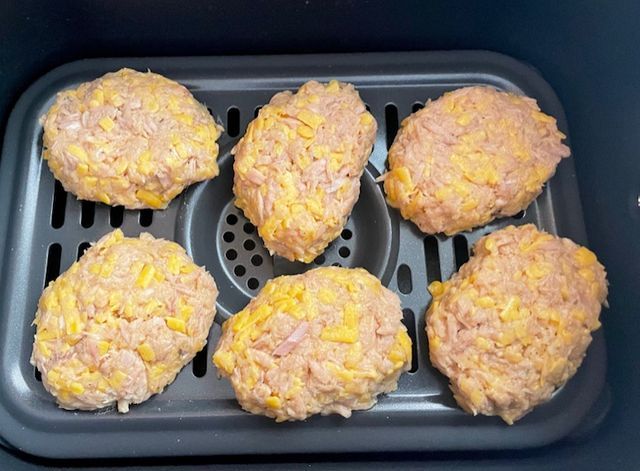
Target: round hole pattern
<point>232,219</point>
<point>239,270</point>
<point>253,283</point>
<point>320,259</point>
<point>231,254</point>
<point>256,260</point>
<point>346,234</point>
<point>228,237</point>
<point>248,228</point>
<point>344,252</point>
<point>249,245</point>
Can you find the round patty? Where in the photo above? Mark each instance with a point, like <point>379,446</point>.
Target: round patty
<point>471,156</point>
<point>514,323</point>
<point>298,167</point>
<point>121,322</point>
<point>327,341</point>
<point>130,138</point>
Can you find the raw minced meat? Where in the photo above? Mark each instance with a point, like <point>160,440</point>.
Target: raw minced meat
<point>471,156</point>
<point>298,167</point>
<point>118,326</point>
<point>130,138</point>
<point>514,323</point>
<point>328,341</point>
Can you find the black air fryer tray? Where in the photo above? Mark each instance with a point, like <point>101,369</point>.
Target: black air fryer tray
<point>43,231</point>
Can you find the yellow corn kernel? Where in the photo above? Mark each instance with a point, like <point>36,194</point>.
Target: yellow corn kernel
<point>436,288</point>
<point>333,86</point>
<point>485,302</point>
<point>483,343</point>
<point>77,152</point>
<point>146,275</point>
<point>146,352</point>
<point>541,117</point>
<point>537,270</point>
<point>76,388</point>
<point>102,196</point>
<point>53,376</point>
<point>464,119</point>
<point>225,361</point>
<point>305,131</point>
<point>585,257</point>
<point>339,334</point>
<point>173,264</point>
<point>366,119</point>
<point>490,244</point>
<point>103,347</point>
<point>587,273</point>
<point>152,199</point>
<point>511,310</point>
<point>176,324</point>
<point>82,169</point>
<point>106,123</point>
<point>184,118</point>
<point>91,181</point>
<point>186,311</point>
<point>310,119</point>
<point>404,341</point>
<point>45,334</point>
<point>273,402</point>
<point>42,346</point>
<point>326,296</point>
<point>117,378</point>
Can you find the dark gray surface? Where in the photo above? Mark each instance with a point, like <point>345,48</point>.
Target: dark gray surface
<point>197,414</point>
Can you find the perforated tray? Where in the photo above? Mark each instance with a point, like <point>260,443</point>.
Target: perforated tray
<point>43,230</point>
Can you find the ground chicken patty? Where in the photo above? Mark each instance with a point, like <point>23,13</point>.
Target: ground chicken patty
<point>298,167</point>
<point>327,341</point>
<point>471,156</point>
<point>130,138</point>
<point>514,323</point>
<point>120,323</point>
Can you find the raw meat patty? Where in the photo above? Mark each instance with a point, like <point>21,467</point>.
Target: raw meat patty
<point>514,323</point>
<point>327,341</point>
<point>119,325</point>
<point>130,138</point>
<point>471,156</point>
<point>298,167</point>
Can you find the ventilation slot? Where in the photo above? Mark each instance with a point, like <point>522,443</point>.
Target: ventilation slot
<point>59,203</point>
<point>460,250</point>
<point>432,256</point>
<point>409,321</point>
<point>53,263</point>
<point>116,216</point>
<point>146,217</point>
<point>257,111</point>
<point>405,285</point>
<point>82,248</point>
<point>520,215</point>
<point>200,363</point>
<point>233,121</point>
<point>417,106</point>
<point>391,122</point>
<point>87,213</point>
<point>320,259</point>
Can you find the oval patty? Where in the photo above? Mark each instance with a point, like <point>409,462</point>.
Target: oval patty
<point>298,167</point>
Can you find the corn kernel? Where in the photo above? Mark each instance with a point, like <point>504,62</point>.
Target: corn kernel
<point>436,289</point>
<point>76,388</point>
<point>152,199</point>
<point>146,352</point>
<point>464,119</point>
<point>312,120</point>
<point>273,402</point>
<point>305,131</point>
<point>225,361</point>
<point>106,123</point>
<point>339,334</point>
<point>145,276</point>
<point>585,257</point>
<point>102,196</point>
<point>77,152</point>
<point>82,169</point>
<point>485,302</point>
<point>103,347</point>
<point>333,86</point>
<point>366,119</point>
<point>117,378</point>
<point>176,324</point>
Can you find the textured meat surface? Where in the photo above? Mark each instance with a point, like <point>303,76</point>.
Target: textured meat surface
<point>327,341</point>
<point>297,169</point>
<point>130,138</point>
<point>514,323</point>
<point>121,322</point>
<point>471,156</point>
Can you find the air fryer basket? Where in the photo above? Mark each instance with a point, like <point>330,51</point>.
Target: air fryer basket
<point>46,230</point>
